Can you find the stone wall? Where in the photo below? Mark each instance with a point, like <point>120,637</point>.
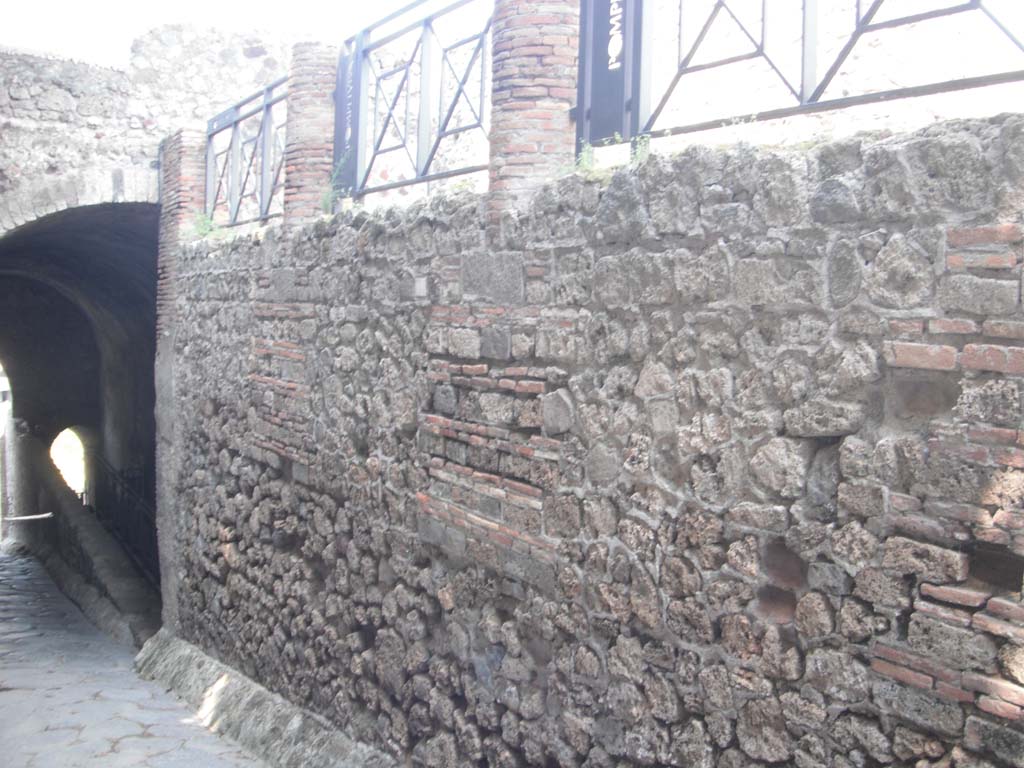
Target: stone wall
<point>76,134</point>
<point>715,463</point>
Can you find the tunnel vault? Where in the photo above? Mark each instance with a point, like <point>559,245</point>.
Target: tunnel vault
<point>77,338</point>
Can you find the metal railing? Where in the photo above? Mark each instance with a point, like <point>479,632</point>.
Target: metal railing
<point>245,159</point>
<point>413,96</point>
<point>785,58</point>
<point>121,503</point>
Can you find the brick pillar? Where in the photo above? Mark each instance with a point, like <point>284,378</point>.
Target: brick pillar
<point>536,47</point>
<point>309,146</point>
<point>182,191</point>
<point>182,199</point>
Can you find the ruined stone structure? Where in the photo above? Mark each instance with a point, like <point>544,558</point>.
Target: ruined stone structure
<point>74,134</point>
<point>717,461</point>
<point>78,235</point>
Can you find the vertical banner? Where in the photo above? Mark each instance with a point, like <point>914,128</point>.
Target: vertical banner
<point>609,42</point>
<point>346,122</point>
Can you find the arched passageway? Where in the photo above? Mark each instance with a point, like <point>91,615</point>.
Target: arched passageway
<point>77,337</point>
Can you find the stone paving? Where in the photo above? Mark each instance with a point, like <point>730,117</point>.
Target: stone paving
<point>70,697</point>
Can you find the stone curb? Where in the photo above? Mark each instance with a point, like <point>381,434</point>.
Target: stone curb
<point>265,724</point>
<point>106,585</point>
<point>96,606</point>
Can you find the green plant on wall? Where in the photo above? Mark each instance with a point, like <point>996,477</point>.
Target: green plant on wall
<point>585,160</point>
<point>328,198</point>
<point>334,192</point>
<point>204,225</point>
<point>640,149</point>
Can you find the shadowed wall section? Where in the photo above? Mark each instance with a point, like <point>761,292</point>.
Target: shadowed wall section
<point>77,331</point>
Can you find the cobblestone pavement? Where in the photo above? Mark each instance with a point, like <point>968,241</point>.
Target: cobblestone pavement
<point>69,695</point>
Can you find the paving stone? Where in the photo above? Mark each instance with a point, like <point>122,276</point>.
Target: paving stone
<point>70,697</point>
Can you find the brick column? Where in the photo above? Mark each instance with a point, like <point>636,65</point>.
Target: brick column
<point>182,200</point>
<point>182,192</point>
<point>309,146</point>
<point>536,47</point>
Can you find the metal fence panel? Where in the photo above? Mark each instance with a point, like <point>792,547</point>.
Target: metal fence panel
<point>689,65</point>
<point>245,159</point>
<point>121,503</point>
<point>413,98</point>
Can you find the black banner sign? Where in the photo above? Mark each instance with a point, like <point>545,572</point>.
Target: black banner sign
<point>607,69</point>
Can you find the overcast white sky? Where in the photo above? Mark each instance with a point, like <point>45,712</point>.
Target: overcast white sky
<point>101,31</point>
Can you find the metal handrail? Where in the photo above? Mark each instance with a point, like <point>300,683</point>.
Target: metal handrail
<point>233,113</point>
<point>370,45</point>
<point>237,170</point>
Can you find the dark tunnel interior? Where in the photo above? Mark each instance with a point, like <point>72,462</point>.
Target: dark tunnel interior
<point>77,340</point>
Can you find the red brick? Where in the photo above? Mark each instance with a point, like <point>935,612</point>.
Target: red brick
<point>523,488</point>
<point>1004,329</point>
<point>907,659</point>
<point>998,627</point>
<point>994,686</point>
<point>942,613</point>
<point>976,454</point>
<point>999,708</point>
<point>500,538</point>
<point>952,326</point>
<point>990,357</point>
<point>953,693</point>
<point>904,675</point>
<point>903,327</point>
<point>934,357</point>
<point>981,260</point>
<point>925,529</point>
<point>530,387</point>
<point>1009,457</point>
<point>972,598</point>
<point>1006,609</point>
<point>993,435</point>
<point>963,512</point>
<point>998,234</point>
